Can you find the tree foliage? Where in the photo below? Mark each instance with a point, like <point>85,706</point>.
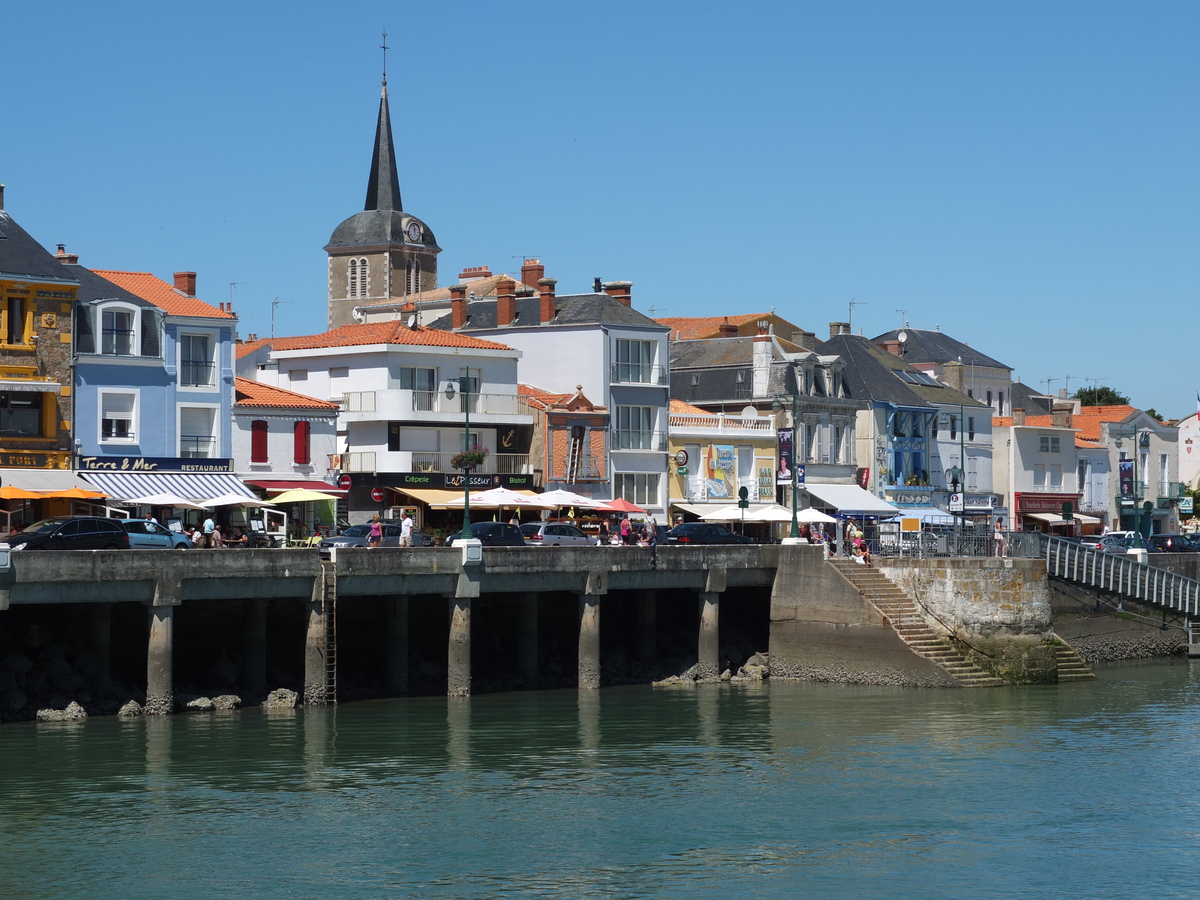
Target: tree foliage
<point>1100,396</point>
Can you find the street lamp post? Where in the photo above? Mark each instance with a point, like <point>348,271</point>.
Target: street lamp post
<point>464,390</point>
<point>777,406</point>
<point>1137,510</point>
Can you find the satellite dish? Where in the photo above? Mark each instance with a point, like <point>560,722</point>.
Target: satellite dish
<point>412,322</point>
<point>902,336</point>
<point>749,412</point>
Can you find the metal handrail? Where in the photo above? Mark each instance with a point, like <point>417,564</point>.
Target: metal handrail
<point>1122,575</point>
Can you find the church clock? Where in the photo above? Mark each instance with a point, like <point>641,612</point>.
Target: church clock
<point>414,232</point>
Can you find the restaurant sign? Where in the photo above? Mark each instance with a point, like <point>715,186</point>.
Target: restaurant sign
<point>45,459</point>
<point>151,464</point>
<point>450,480</point>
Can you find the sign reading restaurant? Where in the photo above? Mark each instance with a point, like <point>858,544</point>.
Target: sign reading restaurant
<point>151,464</point>
<point>446,480</point>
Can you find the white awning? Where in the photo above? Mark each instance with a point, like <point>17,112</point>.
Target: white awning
<point>1053,519</point>
<point>927,514</point>
<point>699,509</point>
<point>43,479</point>
<point>199,486</point>
<point>850,499</point>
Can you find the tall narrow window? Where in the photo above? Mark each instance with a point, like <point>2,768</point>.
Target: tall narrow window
<point>197,437</point>
<point>412,277</point>
<point>259,431</point>
<point>300,436</point>
<point>117,325</point>
<point>16,320</point>
<point>196,365</point>
<point>358,273</point>
<point>970,428</point>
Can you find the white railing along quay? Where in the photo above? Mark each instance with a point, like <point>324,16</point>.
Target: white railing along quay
<point>1123,576</point>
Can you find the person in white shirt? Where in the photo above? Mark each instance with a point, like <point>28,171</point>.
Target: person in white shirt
<point>406,527</point>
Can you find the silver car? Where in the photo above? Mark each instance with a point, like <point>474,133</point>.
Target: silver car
<point>556,534</point>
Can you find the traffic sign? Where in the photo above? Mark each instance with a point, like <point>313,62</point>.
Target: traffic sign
<point>377,494</point>
<point>344,482</point>
<point>1068,511</point>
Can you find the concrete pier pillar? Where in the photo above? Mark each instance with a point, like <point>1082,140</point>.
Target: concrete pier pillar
<point>647,627</point>
<point>710,607</point>
<point>314,645</point>
<point>458,668</point>
<point>589,641</point>
<point>254,648</point>
<point>160,684</point>
<point>396,674</point>
<point>99,637</point>
<point>527,640</point>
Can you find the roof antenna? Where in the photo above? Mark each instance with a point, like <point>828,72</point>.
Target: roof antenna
<point>275,303</point>
<point>903,313</point>
<point>385,49</point>
<point>850,314</point>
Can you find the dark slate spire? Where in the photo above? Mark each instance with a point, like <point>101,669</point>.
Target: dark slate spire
<point>383,187</point>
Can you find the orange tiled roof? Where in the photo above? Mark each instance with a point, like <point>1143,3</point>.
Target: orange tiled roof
<point>388,332</point>
<point>684,408</point>
<point>692,328</point>
<point>245,348</point>
<point>542,399</point>
<point>253,393</point>
<point>163,295</point>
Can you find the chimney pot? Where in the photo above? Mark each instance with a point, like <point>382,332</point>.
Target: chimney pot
<point>532,271</point>
<point>836,328</point>
<point>185,283</point>
<point>620,290</point>
<point>546,300</point>
<point>458,306</point>
<point>67,259</point>
<point>1,198</point>
<point>506,303</point>
<point>726,329</point>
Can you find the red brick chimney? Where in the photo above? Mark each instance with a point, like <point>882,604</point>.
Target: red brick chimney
<point>725,329</point>
<point>474,273</point>
<point>506,303</point>
<point>458,306</point>
<point>893,347</point>
<point>532,272</point>
<point>67,259</point>
<point>620,290</point>
<point>764,331</point>
<point>546,310</point>
<point>185,283</point>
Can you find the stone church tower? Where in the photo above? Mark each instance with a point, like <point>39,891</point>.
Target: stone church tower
<point>381,253</point>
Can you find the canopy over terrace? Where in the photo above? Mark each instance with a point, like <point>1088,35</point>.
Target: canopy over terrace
<point>197,487</point>
<point>851,500</point>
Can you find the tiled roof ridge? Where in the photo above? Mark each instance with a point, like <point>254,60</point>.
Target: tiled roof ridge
<point>386,332</point>
<point>249,386</point>
<point>162,294</point>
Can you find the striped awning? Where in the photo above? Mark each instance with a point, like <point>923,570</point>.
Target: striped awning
<point>189,485</point>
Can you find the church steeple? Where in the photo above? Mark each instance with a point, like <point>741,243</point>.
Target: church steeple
<point>383,187</point>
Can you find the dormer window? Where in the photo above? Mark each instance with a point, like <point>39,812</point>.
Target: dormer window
<point>117,332</point>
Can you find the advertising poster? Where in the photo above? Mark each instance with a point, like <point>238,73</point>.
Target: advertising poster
<point>766,480</point>
<point>1125,471</point>
<point>783,474</point>
<point>720,472</point>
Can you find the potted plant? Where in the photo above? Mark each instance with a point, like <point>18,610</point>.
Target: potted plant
<point>469,459</point>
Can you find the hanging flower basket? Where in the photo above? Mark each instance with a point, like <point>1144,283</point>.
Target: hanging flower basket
<point>469,459</point>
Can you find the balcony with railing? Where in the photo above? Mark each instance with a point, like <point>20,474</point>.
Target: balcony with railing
<point>369,405</point>
<point>494,464</point>
<point>197,446</point>
<point>638,373</point>
<point>193,373</point>
<point>719,423</point>
<point>639,440</point>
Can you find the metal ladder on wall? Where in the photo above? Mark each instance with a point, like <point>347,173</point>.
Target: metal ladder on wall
<point>574,457</point>
<point>329,612</point>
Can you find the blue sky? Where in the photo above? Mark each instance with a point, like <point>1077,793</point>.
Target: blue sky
<point>1023,175</point>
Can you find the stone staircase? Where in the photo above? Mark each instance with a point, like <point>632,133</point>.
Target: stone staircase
<point>1071,666</point>
<point>901,613</point>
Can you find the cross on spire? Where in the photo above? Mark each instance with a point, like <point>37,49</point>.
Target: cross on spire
<point>384,47</point>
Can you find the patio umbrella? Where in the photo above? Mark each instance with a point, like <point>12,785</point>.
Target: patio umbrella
<point>300,495</point>
<point>8,492</point>
<point>164,500</point>
<point>77,493</point>
<point>621,505</point>
<point>811,515</point>
<point>722,514</point>
<point>237,500</point>
<point>567,498</point>
<point>501,498</point>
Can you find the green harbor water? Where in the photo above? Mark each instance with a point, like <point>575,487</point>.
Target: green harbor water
<point>774,790</point>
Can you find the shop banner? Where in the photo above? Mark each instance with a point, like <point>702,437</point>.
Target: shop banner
<point>783,474</point>
<point>1125,470</point>
<point>720,471</point>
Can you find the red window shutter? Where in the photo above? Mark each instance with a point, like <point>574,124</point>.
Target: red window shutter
<point>258,441</point>
<point>300,433</point>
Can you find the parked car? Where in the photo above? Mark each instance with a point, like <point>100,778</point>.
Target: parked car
<point>1116,543</point>
<point>704,533</point>
<point>359,536</point>
<point>556,534</point>
<point>147,535</point>
<point>493,534</point>
<point>1172,543</point>
<point>71,533</point>
<point>1090,540</point>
